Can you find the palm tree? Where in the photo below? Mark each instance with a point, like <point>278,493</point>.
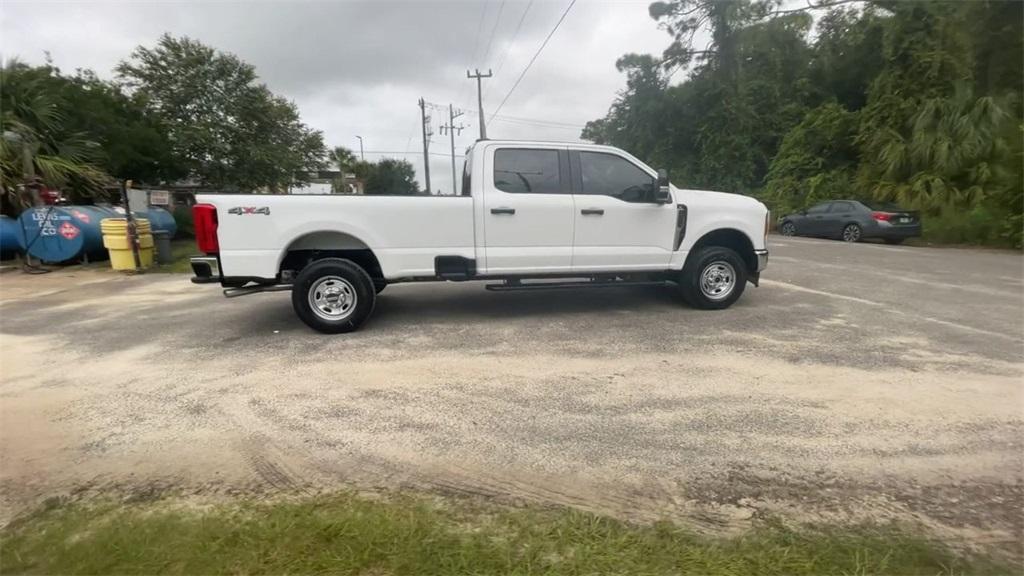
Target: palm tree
<point>345,159</point>
<point>952,152</point>
<point>34,147</point>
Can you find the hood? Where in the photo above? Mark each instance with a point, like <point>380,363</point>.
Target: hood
<point>721,198</point>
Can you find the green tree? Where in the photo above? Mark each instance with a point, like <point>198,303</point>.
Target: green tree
<point>391,176</point>
<point>227,130</point>
<point>816,161</point>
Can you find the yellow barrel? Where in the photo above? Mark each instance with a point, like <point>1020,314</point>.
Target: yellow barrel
<point>115,239</point>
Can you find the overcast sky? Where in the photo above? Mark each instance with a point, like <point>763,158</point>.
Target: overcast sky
<point>360,67</point>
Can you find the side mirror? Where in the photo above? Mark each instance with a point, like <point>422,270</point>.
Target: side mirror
<point>662,194</point>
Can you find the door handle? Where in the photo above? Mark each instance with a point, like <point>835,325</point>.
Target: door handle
<point>503,210</point>
<point>592,211</point>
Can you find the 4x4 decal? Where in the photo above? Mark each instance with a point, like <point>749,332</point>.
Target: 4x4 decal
<point>244,210</point>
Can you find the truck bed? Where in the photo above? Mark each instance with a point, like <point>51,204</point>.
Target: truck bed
<point>404,232</point>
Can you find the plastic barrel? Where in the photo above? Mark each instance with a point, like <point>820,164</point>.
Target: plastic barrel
<point>61,233</point>
<point>115,239</point>
<point>10,240</point>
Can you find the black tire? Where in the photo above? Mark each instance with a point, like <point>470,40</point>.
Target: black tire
<point>852,233</point>
<point>788,228</point>
<point>690,278</point>
<point>894,241</point>
<point>351,277</point>
<point>379,284</point>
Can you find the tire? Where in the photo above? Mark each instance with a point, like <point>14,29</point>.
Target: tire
<point>379,284</point>
<point>894,241</point>
<point>852,233</point>
<point>333,295</point>
<point>708,271</point>
<point>788,228</point>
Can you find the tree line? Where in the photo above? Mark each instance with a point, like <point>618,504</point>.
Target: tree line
<point>915,102</point>
<point>176,112</point>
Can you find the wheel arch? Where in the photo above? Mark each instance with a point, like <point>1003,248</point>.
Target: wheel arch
<point>317,245</point>
<point>731,238</point>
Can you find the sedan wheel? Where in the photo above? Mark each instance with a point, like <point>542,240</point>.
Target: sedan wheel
<point>788,229</point>
<point>851,233</point>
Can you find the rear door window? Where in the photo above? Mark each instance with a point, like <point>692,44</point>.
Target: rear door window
<point>527,171</point>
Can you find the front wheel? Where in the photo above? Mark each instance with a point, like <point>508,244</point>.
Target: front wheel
<point>713,278</point>
<point>788,229</point>
<point>333,295</point>
<point>851,233</point>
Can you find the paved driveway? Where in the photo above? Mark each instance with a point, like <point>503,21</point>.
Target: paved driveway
<point>858,382</point>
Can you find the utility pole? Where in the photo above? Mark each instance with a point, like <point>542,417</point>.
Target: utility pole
<point>426,142</point>
<point>132,229</point>
<point>480,99</point>
<point>452,128</point>
<point>361,157</point>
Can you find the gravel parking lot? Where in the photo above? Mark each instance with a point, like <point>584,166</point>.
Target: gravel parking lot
<point>858,382</point>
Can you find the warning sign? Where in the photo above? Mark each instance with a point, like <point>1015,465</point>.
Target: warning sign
<point>68,230</point>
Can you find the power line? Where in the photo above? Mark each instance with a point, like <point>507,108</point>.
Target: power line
<point>534,59</point>
<point>532,120</point>
<point>400,153</point>
<point>497,20</point>
<point>515,35</point>
<point>476,43</point>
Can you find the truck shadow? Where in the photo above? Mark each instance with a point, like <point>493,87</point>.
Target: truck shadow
<point>471,302</point>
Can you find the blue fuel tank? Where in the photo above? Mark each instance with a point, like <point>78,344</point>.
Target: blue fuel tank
<point>159,220</point>
<point>10,239</point>
<point>61,233</point>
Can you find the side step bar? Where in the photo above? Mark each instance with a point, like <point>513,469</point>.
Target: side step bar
<point>515,286</point>
<point>246,290</point>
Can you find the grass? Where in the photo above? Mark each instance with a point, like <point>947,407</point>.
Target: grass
<point>181,250</point>
<point>403,534</point>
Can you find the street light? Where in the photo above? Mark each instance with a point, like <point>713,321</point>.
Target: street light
<point>361,157</point>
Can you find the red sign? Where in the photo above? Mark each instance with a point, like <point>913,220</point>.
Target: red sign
<point>68,230</point>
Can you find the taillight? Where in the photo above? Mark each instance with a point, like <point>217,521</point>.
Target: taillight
<point>204,220</point>
<point>767,225</point>
<point>881,216</point>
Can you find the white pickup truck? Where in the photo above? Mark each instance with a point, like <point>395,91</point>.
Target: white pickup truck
<point>531,215</point>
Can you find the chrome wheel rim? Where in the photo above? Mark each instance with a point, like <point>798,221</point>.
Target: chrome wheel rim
<point>332,298</point>
<point>718,280</point>
<point>788,229</point>
<point>851,233</point>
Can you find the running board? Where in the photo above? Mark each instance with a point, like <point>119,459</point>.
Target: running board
<point>507,287</point>
<point>246,290</point>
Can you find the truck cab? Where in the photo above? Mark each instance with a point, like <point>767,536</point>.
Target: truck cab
<point>530,215</point>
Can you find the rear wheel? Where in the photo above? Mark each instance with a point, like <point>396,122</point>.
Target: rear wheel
<point>333,295</point>
<point>788,229</point>
<point>851,233</point>
<point>713,278</point>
